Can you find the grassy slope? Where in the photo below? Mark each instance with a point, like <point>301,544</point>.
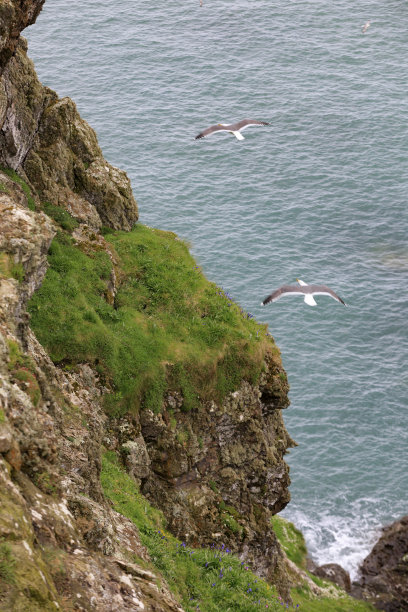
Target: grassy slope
<point>169,326</point>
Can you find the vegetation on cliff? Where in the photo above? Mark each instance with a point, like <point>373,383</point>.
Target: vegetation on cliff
<point>166,327</point>
<point>208,579</point>
<point>212,579</point>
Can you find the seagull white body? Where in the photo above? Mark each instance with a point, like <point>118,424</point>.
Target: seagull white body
<point>365,27</point>
<point>308,291</point>
<point>232,128</point>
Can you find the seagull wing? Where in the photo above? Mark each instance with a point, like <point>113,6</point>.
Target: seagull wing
<point>281,292</point>
<point>324,290</point>
<point>241,125</point>
<point>210,130</point>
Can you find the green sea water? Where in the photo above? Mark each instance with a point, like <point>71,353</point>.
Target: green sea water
<point>320,195</point>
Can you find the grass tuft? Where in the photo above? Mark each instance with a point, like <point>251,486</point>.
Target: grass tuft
<point>291,540</point>
<point>17,179</point>
<point>9,268</point>
<point>60,216</point>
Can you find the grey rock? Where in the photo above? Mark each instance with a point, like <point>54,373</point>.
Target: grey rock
<point>384,572</point>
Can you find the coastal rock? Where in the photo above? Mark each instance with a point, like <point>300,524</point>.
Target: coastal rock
<point>335,573</point>
<point>220,474</point>
<point>46,141</point>
<point>70,545</point>
<point>14,17</point>
<point>384,572</point>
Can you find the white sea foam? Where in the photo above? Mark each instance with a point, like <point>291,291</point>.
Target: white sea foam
<point>332,538</point>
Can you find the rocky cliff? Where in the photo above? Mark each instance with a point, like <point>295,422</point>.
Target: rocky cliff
<point>210,456</point>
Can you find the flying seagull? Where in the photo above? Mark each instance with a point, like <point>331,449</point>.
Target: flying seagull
<point>365,27</point>
<point>233,128</point>
<point>308,291</point>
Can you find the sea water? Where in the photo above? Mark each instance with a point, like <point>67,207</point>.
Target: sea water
<point>320,194</point>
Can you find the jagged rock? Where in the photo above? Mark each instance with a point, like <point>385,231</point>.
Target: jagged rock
<point>15,15</point>
<point>6,438</point>
<point>221,471</point>
<point>26,101</point>
<point>57,152</point>
<point>335,573</point>
<point>137,458</point>
<point>384,572</point>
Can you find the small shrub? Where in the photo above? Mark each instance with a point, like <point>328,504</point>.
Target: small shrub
<point>28,383</point>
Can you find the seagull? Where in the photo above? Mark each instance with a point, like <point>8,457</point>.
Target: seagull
<point>233,128</point>
<point>308,291</point>
<point>365,27</point>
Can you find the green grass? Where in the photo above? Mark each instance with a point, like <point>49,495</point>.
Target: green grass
<point>211,578</point>
<point>291,540</point>
<point>61,216</point>
<point>343,603</point>
<point>17,179</point>
<point>169,327</point>
<point>17,359</point>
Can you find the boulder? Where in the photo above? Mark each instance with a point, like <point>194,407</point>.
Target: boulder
<point>335,573</point>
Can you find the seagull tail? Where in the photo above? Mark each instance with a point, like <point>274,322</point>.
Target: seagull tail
<point>309,300</point>
<point>238,135</point>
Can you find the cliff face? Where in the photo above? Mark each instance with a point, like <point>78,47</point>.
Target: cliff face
<point>215,469</point>
<point>15,15</point>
